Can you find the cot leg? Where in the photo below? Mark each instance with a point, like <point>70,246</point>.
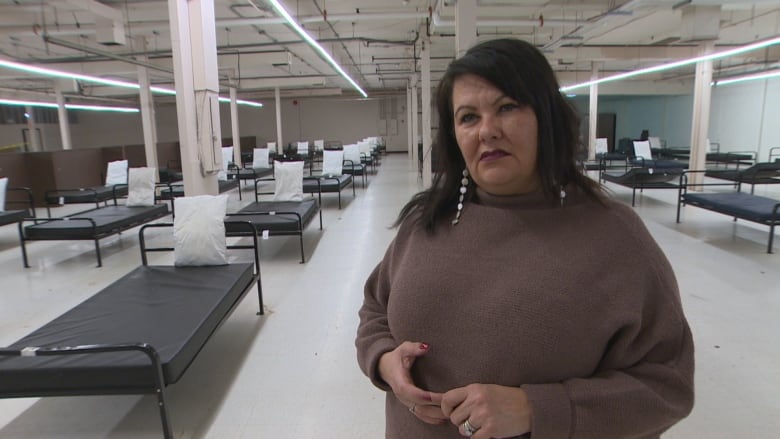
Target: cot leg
<point>24,248</point>
<point>353,188</point>
<point>633,197</point>
<point>97,252</point>
<point>339,198</point>
<point>166,423</point>
<point>260,297</point>
<point>303,260</point>
<point>771,238</point>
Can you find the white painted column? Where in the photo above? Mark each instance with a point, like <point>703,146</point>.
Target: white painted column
<point>409,138</point>
<point>148,122</point>
<point>33,140</point>
<point>193,38</point>
<point>278,99</point>
<point>234,127</point>
<point>465,26</point>
<point>415,125</point>
<point>62,115</point>
<point>701,116</point>
<point>425,102</point>
<point>593,117</point>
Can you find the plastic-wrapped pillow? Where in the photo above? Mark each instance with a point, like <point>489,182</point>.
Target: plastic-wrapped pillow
<point>141,187</point>
<point>3,189</point>
<point>642,149</point>
<point>199,231</point>
<point>352,153</point>
<point>332,162</point>
<point>260,158</point>
<point>288,177</point>
<point>116,172</point>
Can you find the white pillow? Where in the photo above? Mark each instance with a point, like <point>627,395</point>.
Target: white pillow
<point>319,145</point>
<point>141,187</point>
<point>116,172</point>
<point>260,158</point>
<point>289,181</point>
<point>271,146</point>
<point>227,158</point>
<point>642,149</point>
<point>364,147</point>
<point>3,189</point>
<point>602,147</point>
<point>303,148</point>
<point>655,142</point>
<point>199,230</point>
<point>332,162</point>
<point>352,152</point>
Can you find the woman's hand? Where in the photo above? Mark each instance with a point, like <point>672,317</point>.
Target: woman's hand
<point>394,368</point>
<point>493,411</point>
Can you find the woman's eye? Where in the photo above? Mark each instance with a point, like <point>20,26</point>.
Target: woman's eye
<point>466,118</point>
<point>508,107</point>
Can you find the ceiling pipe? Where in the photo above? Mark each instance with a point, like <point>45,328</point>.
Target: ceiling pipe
<point>74,46</point>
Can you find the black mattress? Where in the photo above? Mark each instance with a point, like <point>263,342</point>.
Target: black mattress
<point>729,157</point>
<point>282,222</point>
<point>173,309</point>
<point>178,189</point>
<point>659,163</point>
<point>253,173</point>
<point>647,178</point>
<point>12,216</point>
<point>760,173</point>
<point>742,205</point>
<point>327,183</point>
<point>107,219</point>
<point>92,194</point>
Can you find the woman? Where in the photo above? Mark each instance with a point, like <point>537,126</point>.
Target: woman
<point>516,298</point>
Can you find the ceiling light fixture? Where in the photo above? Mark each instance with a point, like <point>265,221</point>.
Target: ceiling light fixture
<point>94,79</point>
<point>762,75</point>
<point>675,64</point>
<point>68,106</point>
<point>312,42</point>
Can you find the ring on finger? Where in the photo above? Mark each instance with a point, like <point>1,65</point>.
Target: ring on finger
<point>469,429</point>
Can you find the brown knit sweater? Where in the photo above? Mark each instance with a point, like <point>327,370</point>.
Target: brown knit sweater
<point>575,304</point>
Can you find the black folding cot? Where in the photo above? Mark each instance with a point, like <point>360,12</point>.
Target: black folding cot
<point>16,215</point>
<point>759,173</point>
<point>93,224</point>
<point>739,205</point>
<point>319,184</point>
<point>136,336</point>
<point>644,178</point>
<point>84,195</point>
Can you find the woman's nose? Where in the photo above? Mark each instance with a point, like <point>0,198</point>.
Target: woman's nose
<point>489,129</point>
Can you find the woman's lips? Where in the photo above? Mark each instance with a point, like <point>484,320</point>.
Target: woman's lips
<point>489,156</point>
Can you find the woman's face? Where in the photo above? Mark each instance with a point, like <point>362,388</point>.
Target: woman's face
<point>497,137</point>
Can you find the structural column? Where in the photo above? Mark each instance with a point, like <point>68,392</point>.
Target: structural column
<point>62,115</point>
<point>234,126</point>
<point>409,135</point>
<point>701,116</point>
<point>147,112</point>
<point>278,99</point>
<point>193,38</point>
<point>415,126</point>
<point>425,102</point>
<point>593,118</point>
<point>33,143</point>
<point>465,26</point>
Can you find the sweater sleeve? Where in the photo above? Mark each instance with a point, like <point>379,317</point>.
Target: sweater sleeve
<point>644,382</point>
<point>373,336</point>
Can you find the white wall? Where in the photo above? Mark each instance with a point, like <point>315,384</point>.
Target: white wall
<point>337,119</point>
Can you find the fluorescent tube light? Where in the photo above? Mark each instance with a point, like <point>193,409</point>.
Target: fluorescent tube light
<point>675,64</point>
<point>754,76</point>
<point>312,42</point>
<point>68,106</point>
<point>87,78</point>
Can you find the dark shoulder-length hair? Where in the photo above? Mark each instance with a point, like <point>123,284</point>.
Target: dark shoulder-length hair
<point>522,73</point>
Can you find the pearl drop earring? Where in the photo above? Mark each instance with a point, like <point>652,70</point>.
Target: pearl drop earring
<point>464,184</point>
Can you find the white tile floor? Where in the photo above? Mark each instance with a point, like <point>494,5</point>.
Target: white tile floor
<point>292,373</point>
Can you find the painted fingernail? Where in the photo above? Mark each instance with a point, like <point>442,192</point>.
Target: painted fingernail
<point>424,346</point>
